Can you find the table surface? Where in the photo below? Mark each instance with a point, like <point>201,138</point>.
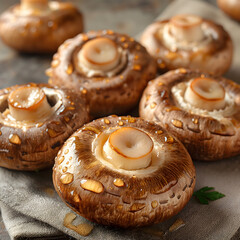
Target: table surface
<point>127,16</point>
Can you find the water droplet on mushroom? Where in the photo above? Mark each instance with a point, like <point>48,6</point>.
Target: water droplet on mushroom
<point>92,185</point>
<point>159,132</point>
<point>49,72</point>
<point>160,84</point>
<point>110,32</point>
<point>153,105</point>
<point>169,139</point>
<point>64,169</point>
<point>55,63</point>
<point>66,178</point>
<point>92,129</point>
<point>137,67</point>
<point>118,182</point>
<point>121,77</point>
<point>84,91</point>
<point>70,108</point>
<point>123,39</point>
<point>177,123</point>
<point>76,198</point>
<point>69,70</point>
<point>61,159</point>
<point>106,121</point>
<point>51,133</point>
<point>125,45</point>
<point>131,120</point>
<point>39,125</point>
<point>66,118</point>
<point>182,70</point>
<point>120,123</point>
<point>66,151</point>
<point>136,57</point>
<point>137,207</point>
<point>171,55</point>
<point>154,204</point>
<point>173,108</point>
<point>14,138</point>
<point>195,120</point>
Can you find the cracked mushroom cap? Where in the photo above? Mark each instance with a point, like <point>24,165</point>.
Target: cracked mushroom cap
<point>189,41</point>
<point>111,69</point>
<point>202,111</point>
<point>230,7</point>
<point>124,171</point>
<point>40,26</point>
<point>35,121</point>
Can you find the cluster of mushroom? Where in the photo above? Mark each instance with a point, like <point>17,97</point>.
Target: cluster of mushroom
<point>120,171</point>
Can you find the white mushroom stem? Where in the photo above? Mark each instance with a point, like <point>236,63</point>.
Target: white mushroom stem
<point>128,148</point>
<point>99,54</point>
<point>28,103</point>
<point>205,93</point>
<point>187,28</point>
<point>34,5</point>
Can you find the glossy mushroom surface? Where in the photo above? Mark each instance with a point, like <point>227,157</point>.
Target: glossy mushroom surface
<point>230,7</point>
<point>39,26</point>
<point>35,120</point>
<point>124,171</point>
<point>202,111</point>
<point>189,41</point>
<point>111,69</point>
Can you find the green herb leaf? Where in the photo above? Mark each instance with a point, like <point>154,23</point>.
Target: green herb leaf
<point>205,194</point>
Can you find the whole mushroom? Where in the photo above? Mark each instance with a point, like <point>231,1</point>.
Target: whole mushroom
<point>111,69</point>
<point>124,171</point>
<point>202,111</point>
<point>35,120</point>
<point>189,41</point>
<point>39,26</point>
<point>230,7</point>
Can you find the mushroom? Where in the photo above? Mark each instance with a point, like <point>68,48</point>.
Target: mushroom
<point>230,7</point>
<point>111,69</point>
<point>35,120</point>
<point>201,110</point>
<point>40,26</point>
<point>189,41</point>
<point>124,171</point>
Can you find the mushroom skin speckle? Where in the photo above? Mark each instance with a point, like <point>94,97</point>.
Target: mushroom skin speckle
<point>230,7</point>
<point>38,30</point>
<point>207,134</point>
<point>189,41</point>
<point>31,145</point>
<point>109,87</point>
<point>102,193</point>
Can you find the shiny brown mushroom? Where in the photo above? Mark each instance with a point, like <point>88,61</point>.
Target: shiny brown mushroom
<point>124,171</point>
<point>202,111</point>
<point>39,26</point>
<point>189,41</point>
<point>230,7</point>
<point>35,120</point>
<point>111,69</point>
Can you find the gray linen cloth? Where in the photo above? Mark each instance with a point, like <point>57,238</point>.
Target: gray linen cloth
<point>31,208</point>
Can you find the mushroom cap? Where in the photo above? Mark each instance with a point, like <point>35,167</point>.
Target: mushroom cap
<point>208,136</point>
<point>230,7</point>
<point>33,146</point>
<point>40,33</point>
<point>118,197</point>
<point>215,57</point>
<point>106,95</point>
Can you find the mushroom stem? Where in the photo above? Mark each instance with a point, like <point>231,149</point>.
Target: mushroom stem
<point>34,5</point>
<point>187,28</point>
<point>205,93</point>
<point>99,54</point>
<point>128,148</point>
<point>28,103</point>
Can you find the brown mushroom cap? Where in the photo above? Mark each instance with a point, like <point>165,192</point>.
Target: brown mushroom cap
<point>211,135</point>
<point>106,95</point>
<point>230,7</point>
<point>40,33</point>
<point>126,198</point>
<point>214,57</point>
<point>34,145</point>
